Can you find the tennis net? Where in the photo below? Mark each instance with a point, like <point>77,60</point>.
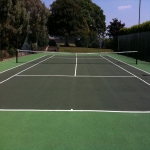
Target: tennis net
<point>29,55</point>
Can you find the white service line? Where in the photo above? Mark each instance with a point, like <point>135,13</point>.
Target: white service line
<point>25,69</point>
<point>126,71</point>
<point>71,76</point>
<point>72,110</point>
<point>22,64</point>
<point>75,74</point>
<point>79,76</point>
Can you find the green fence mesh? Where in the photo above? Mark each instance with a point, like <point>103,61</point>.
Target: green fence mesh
<point>136,42</point>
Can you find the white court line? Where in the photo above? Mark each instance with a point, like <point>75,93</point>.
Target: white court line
<point>129,65</point>
<point>126,71</point>
<point>89,58</point>
<point>75,74</point>
<point>22,64</point>
<point>45,76</point>
<point>78,76</point>
<point>71,110</point>
<point>25,70</point>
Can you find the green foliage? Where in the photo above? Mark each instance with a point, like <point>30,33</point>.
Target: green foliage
<point>20,18</point>
<point>66,18</point>
<point>111,43</point>
<point>114,27</point>
<point>90,41</point>
<point>108,43</point>
<point>79,18</point>
<point>135,29</point>
<point>113,32</point>
<point>93,15</point>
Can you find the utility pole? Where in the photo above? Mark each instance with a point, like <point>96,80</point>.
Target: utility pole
<point>138,32</point>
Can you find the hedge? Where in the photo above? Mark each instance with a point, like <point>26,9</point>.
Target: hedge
<point>135,29</point>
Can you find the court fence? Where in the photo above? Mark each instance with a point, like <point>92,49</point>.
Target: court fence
<point>136,42</point>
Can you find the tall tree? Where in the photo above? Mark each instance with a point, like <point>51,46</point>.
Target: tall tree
<point>20,17</point>
<point>13,21</point>
<point>93,15</point>
<point>112,32</point>
<point>77,17</point>
<point>114,27</point>
<point>37,21</point>
<point>66,18</point>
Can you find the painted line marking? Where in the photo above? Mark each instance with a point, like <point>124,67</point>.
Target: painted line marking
<point>22,64</point>
<point>130,65</point>
<point>78,76</point>
<point>72,110</point>
<point>75,74</point>
<point>79,57</point>
<point>25,69</point>
<point>126,71</point>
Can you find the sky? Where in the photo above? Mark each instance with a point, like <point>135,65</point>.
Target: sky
<point>126,11</point>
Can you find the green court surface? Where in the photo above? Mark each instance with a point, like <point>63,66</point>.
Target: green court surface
<point>8,64</point>
<point>141,64</point>
<point>11,63</point>
<point>74,102</point>
<point>74,130</point>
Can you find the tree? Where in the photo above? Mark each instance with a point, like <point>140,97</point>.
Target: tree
<point>18,18</point>
<point>37,20</point>
<point>93,15</point>
<point>114,27</point>
<point>113,31</point>
<point>76,17</point>
<point>66,19</point>
<point>95,19</point>
<point>13,22</point>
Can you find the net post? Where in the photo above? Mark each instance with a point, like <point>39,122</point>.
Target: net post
<point>17,56</point>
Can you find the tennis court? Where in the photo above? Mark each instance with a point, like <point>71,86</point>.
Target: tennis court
<point>75,101</point>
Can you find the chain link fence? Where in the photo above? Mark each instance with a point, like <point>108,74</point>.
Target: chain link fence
<point>136,42</point>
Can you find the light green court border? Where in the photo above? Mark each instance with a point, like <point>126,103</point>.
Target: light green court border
<point>142,65</point>
<point>74,130</point>
<point>11,63</point>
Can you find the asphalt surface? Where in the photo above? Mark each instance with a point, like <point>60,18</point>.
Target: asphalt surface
<point>82,84</point>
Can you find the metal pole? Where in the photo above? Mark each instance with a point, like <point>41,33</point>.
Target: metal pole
<point>138,31</point>
<point>139,11</point>
<point>17,56</point>
<point>0,45</point>
<point>17,52</point>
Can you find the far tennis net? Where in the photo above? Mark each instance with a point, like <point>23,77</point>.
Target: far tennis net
<point>23,56</point>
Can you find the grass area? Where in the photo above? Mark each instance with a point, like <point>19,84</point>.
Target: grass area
<point>74,130</point>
